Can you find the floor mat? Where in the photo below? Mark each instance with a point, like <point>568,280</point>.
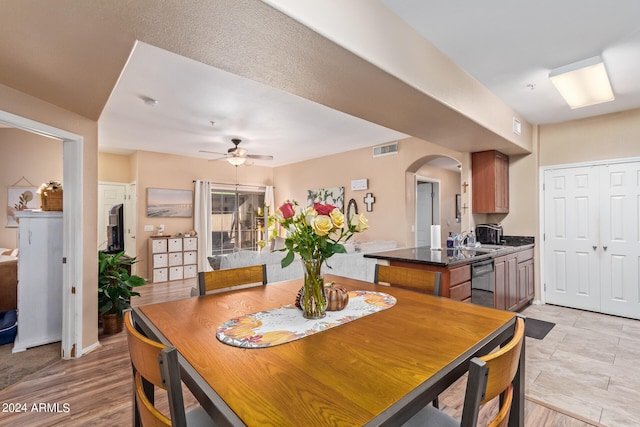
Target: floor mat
<point>537,329</point>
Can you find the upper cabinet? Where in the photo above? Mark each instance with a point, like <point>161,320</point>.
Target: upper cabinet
<point>490,180</point>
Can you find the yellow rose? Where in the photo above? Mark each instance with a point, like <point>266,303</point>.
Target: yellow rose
<point>359,222</point>
<point>310,215</point>
<point>337,217</point>
<point>322,225</point>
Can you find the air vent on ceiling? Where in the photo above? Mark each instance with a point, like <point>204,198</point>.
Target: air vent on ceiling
<point>384,150</point>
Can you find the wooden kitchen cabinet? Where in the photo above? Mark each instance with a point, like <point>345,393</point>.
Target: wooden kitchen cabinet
<point>514,281</point>
<point>490,181</point>
<point>455,282</point>
<point>526,284</point>
<point>506,284</point>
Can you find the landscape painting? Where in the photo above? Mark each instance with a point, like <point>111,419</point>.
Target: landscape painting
<point>164,202</point>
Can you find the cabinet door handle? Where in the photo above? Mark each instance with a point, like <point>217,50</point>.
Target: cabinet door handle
<point>604,247</point>
<point>595,247</point>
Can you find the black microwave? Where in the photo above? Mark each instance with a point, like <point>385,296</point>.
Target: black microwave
<point>490,234</point>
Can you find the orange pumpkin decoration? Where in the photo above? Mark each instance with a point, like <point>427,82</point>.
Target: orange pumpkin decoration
<point>337,297</point>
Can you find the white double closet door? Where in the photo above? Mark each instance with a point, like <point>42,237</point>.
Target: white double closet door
<point>592,237</point>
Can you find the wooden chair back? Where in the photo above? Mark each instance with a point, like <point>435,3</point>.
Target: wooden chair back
<point>409,278</point>
<point>154,364</point>
<point>492,375</point>
<point>221,279</point>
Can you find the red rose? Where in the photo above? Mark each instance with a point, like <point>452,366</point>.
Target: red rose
<point>323,209</point>
<point>287,210</point>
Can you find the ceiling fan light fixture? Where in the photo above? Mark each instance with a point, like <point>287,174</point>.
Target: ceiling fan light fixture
<point>236,161</point>
<point>583,83</point>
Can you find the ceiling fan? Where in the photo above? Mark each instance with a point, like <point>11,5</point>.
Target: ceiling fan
<point>236,155</point>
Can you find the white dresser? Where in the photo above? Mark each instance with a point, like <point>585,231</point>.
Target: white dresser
<point>173,258</point>
<point>39,279</point>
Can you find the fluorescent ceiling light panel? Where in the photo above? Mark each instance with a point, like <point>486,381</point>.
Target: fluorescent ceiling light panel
<point>583,83</point>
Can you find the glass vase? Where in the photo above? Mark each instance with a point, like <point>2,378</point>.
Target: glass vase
<point>313,302</point>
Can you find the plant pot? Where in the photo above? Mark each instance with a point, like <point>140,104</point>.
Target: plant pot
<point>112,324</point>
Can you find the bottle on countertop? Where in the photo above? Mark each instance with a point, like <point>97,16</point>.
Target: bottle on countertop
<point>450,241</point>
<point>471,239</point>
<point>456,241</point>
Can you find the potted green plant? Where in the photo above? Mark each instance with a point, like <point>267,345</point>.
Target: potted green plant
<point>115,289</point>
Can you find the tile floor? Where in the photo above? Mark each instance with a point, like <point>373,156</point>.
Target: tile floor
<point>587,365</point>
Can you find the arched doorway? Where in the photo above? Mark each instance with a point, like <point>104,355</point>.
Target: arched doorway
<point>437,190</point>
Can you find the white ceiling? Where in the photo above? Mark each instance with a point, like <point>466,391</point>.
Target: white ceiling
<point>508,46</point>
<point>190,95</point>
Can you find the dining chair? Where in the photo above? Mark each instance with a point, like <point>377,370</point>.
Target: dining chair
<point>489,376</point>
<point>156,365</point>
<point>222,279</point>
<point>409,278</point>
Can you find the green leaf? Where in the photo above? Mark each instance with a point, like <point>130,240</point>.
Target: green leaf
<point>287,260</point>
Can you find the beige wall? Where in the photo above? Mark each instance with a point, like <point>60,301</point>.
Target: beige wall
<point>35,158</point>
<point>23,105</point>
<point>114,167</point>
<point>391,181</point>
<point>156,170</point>
<point>612,136</point>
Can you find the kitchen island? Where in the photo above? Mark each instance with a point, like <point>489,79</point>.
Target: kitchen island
<point>513,269</point>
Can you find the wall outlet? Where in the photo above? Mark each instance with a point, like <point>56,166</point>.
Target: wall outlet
<point>148,228</point>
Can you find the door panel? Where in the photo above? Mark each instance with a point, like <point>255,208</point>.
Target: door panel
<point>620,239</point>
<point>571,231</point>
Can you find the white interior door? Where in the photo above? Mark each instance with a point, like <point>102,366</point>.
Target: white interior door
<point>130,220</point>
<point>109,195</point>
<point>571,237</point>
<point>620,239</point>
<point>592,238</point>
<point>424,212</point>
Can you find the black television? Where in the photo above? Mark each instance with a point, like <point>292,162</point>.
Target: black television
<point>115,230</point>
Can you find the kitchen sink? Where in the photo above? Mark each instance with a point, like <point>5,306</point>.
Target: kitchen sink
<point>485,249</point>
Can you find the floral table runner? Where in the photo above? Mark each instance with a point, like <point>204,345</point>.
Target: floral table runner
<point>286,324</point>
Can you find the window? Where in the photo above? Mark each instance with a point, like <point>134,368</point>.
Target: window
<point>234,223</point>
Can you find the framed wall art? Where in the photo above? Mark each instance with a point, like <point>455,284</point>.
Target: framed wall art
<point>164,202</point>
<point>333,196</point>
<point>20,198</point>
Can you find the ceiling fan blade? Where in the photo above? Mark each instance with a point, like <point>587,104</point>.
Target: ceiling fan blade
<point>212,152</point>
<point>219,158</point>
<point>259,157</point>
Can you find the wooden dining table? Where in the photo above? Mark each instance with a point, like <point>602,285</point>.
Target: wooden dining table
<point>376,370</point>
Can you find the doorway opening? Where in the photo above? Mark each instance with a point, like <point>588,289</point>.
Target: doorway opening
<point>427,209</point>
<point>72,268</point>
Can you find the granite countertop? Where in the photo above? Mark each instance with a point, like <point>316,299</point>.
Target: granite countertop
<point>451,257</point>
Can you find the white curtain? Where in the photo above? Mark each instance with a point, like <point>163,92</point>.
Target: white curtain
<point>270,209</point>
<point>202,223</point>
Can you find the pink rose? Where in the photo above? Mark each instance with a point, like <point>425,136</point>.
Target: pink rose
<point>323,209</point>
<point>287,210</point>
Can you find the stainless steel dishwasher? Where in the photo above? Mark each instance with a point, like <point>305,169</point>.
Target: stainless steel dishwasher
<point>482,281</point>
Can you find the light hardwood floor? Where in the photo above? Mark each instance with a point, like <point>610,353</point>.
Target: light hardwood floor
<point>95,390</point>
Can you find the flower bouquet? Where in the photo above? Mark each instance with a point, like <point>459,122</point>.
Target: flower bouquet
<point>315,233</point>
